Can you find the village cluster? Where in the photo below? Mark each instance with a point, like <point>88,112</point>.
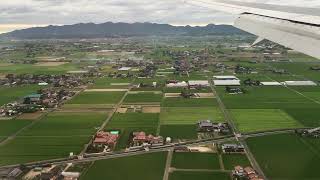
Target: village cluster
<point>38,101</point>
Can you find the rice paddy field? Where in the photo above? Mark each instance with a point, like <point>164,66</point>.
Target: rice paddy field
<point>145,167</point>
<point>287,156</point>
<point>181,122</point>
<point>9,127</point>
<point>131,122</point>
<point>9,94</point>
<point>189,115</point>
<point>307,117</point>
<point>107,83</point>
<point>187,175</point>
<point>54,136</point>
<point>179,131</point>
<point>192,102</point>
<point>299,69</point>
<point>34,69</point>
<point>97,98</point>
<point>232,160</point>
<point>143,97</point>
<point>179,116</point>
<point>266,98</point>
<point>250,120</point>
<point>187,160</point>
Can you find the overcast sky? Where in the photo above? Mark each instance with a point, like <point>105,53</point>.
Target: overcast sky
<point>17,14</point>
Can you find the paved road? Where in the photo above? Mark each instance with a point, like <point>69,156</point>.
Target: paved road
<point>102,156</point>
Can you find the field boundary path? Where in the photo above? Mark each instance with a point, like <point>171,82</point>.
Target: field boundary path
<point>221,162</point>
<point>237,133</point>
<point>168,165</point>
<point>202,170</point>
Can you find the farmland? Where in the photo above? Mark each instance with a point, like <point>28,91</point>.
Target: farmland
<point>103,83</point>
<point>182,175</point>
<point>130,122</point>
<point>29,68</point>
<point>195,161</point>
<point>9,127</point>
<point>147,167</point>
<point>147,95</point>
<point>9,94</point>
<point>179,131</point>
<point>192,102</point>
<point>189,115</point>
<point>276,153</point>
<point>143,97</point>
<point>97,98</point>
<point>249,120</point>
<point>55,136</point>
<point>232,160</point>
<point>265,98</point>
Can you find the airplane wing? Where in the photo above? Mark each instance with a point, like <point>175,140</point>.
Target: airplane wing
<point>295,27</point>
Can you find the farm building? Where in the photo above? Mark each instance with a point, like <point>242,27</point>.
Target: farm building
<point>32,99</point>
<point>200,83</point>
<point>78,72</point>
<point>177,84</point>
<point>208,126</point>
<point>226,82</point>
<point>300,83</point>
<point>124,69</point>
<point>232,148</point>
<point>106,138</point>
<point>247,173</point>
<point>238,171</point>
<point>225,78</point>
<point>43,84</point>
<point>234,90</point>
<point>140,138</point>
<point>205,125</point>
<point>272,83</point>
<point>70,175</point>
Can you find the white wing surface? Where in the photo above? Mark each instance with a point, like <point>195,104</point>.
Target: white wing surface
<point>294,27</point>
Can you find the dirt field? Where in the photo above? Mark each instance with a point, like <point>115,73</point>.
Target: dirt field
<point>104,90</point>
<point>172,95</point>
<point>50,64</point>
<point>2,76</point>
<point>83,110</point>
<point>151,109</point>
<point>198,95</point>
<point>201,149</point>
<point>122,110</point>
<point>119,84</point>
<point>31,116</point>
<point>205,95</point>
<point>5,64</point>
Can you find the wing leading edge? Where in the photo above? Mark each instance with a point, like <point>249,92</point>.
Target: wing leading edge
<point>293,27</point>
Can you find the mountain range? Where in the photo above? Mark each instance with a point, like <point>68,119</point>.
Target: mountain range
<point>110,29</point>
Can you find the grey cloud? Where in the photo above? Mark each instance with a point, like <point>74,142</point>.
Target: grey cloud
<point>98,11</point>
